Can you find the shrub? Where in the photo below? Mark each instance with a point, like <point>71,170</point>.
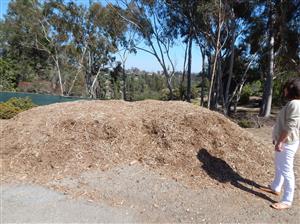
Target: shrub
<point>257,88</point>
<point>7,111</point>
<point>245,97</point>
<point>165,94</point>
<point>8,75</point>
<point>250,89</point>
<point>195,92</point>
<point>21,103</point>
<point>246,123</point>
<point>14,106</point>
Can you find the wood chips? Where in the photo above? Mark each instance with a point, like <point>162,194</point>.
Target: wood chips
<point>191,144</point>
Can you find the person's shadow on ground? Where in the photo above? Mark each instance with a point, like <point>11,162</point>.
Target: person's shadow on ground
<point>219,170</point>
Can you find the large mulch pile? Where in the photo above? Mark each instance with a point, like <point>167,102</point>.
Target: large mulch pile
<point>179,140</point>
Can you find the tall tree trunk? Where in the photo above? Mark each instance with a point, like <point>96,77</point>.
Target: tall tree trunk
<point>59,75</point>
<point>88,76</point>
<point>124,82</point>
<point>217,51</point>
<point>212,79</point>
<point>203,78</point>
<point>220,92</point>
<point>189,71</point>
<point>182,86</point>
<point>283,29</point>
<point>238,96</point>
<point>88,83</point>
<point>230,72</point>
<point>265,109</point>
<point>209,65</point>
<point>169,83</point>
<point>77,73</point>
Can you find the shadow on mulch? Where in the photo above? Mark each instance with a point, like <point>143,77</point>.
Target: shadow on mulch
<point>219,170</point>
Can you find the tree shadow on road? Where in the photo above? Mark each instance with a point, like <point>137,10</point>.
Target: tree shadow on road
<point>219,170</point>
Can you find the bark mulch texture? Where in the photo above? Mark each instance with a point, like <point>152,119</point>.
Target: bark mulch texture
<point>190,144</point>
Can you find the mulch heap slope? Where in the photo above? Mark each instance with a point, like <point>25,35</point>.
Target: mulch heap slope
<point>189,143</point>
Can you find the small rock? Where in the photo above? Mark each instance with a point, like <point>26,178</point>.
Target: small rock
<point>155,206</point>
<point>133,162</point>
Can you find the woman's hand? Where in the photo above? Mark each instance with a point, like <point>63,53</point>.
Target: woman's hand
<point>282,138</point>
<point>279,146</point>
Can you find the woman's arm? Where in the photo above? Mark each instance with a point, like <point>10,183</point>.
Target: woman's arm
<point>282,138</point>
<point>291,120</point>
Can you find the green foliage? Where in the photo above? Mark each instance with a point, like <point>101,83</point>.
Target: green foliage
<point>14,106</point>
<point>18,32</point>
<point>144,86</point>
<point>164,94</point>
<point>8,111</point>
<point>194,92</point>
<point>250,89</point>
<point>8,76</point>
<point>51,38</point>
<point>245,97</point>
<point>246,123</point>
<point>195,101</point>
<point>256,87</point>
<point>21,103</point>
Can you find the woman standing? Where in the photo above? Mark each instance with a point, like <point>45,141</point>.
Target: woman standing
<point>286,135</point>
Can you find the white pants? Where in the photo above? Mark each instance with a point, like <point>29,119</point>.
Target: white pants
<point>284,172</point>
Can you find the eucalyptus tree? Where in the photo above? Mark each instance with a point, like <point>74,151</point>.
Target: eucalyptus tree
<point>275,31</point>
<point>19,31</point>
<point>146,18</point>
<point>217,35</point>
<point>223,26</point>
<point>226,27</point>
<point>237,61</point>
<point>126,46</point>
<point>92,33</point>
<point>182,17</point>
<point>212,25</point>
<point>38,36</point>
<point>202,22</point>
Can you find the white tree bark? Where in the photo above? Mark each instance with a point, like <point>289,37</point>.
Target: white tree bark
<point>268,85</point>
<point>217,51</point>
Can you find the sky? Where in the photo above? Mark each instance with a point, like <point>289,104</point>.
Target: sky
<point>142,60</point>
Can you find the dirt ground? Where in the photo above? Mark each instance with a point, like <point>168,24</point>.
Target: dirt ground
<point>135,194</point>
<point>138,191</point>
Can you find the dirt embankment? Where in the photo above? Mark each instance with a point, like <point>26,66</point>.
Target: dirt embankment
<point>190,144</point>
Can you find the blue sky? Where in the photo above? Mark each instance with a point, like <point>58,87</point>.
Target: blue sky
<point>3,7</point>
<point>142,60</point>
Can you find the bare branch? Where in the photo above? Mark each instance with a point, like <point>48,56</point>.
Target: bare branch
<point>143,49</point>
<point>44,31</point>
<point>94,81</point>
<point>244,76</point>
<point>77,73</point>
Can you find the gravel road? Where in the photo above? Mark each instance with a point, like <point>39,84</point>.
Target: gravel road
<point>134,193</point>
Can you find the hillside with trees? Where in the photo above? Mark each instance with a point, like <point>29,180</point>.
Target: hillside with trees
<point>70,49</point>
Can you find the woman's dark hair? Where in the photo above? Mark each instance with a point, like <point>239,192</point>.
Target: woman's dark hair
<point>293,88</point>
